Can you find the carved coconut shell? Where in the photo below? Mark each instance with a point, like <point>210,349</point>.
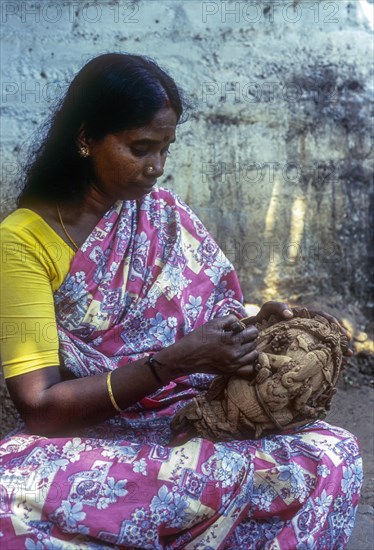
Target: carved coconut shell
<point>294,381</point>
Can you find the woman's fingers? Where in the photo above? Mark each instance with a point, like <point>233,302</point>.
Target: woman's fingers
<point>329,317</point>
<point>249,358</point>
<point>215,348</point>
<point>245,355</point>
<point>228,322</point>
<point>249,334</point>
<point>245,372</point>
<point>280,309</point>
<point>245,365</point>
<point>246,348</point>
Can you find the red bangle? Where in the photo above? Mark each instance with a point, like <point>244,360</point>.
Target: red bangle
<point>152,364</point>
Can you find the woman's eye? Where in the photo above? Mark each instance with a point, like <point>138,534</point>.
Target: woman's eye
<point>139,152</point>
<point>143,151</point>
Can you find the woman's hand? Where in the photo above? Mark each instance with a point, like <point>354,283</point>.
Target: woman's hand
<point>284,311</point>
<point>280,309</point>
<point>213,348</point>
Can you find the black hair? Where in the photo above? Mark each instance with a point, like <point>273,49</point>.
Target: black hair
<point>111,93</point>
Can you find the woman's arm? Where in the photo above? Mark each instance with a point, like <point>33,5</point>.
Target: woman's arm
<point>52,405</point>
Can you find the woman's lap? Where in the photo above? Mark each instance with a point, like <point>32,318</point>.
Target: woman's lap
<point>291,491</point>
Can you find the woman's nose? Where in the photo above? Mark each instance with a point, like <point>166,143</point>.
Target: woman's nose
<point>157,162</point>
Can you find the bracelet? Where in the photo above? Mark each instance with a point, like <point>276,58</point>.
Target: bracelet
<point>110,392</point>
<point>152,364</point>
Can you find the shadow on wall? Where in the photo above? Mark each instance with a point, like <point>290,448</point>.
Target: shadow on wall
<point>303,227</point>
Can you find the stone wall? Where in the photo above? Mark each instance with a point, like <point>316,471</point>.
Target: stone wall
<point>276,153</point>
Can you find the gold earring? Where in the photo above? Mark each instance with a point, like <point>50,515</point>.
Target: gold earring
<point>84,151</point>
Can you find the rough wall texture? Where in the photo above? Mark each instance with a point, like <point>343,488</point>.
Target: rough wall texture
<point>276,155</point>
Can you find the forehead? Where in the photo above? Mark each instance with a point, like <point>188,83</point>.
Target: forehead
<point>162,127</point>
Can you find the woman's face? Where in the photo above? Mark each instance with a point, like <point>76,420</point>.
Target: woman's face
<point>120,160</point>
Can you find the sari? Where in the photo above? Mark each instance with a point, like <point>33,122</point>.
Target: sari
<point>148,274</point>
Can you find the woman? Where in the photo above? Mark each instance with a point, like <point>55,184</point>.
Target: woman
<point>118,309</point>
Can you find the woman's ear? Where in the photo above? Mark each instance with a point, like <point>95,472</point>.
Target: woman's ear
<point>83,144</point>
<point>82,140</point>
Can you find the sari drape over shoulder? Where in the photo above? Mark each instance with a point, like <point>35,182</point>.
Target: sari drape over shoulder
<point>148,274</point>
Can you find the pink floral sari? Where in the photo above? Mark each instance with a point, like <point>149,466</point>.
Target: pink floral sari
<point>148,274</point>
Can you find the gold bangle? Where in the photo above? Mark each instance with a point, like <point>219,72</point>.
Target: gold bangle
<point>110,392</point>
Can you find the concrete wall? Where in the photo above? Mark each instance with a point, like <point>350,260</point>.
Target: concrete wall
<point>276,156</point>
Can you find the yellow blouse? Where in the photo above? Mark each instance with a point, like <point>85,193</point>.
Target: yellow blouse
<point>34,262</point>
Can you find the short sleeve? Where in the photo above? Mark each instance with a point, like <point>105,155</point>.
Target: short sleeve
<point>28,335</point>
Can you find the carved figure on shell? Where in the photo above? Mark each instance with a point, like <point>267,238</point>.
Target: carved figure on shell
<point>292,385</point>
